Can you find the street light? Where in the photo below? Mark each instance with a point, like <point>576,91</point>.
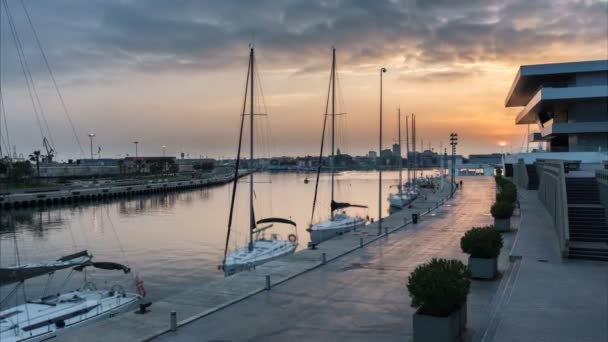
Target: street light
<point>136,143</point>
<point>91,136</point>
<point>164,149</point>
<point>382,71</point>
<point>453,142</point>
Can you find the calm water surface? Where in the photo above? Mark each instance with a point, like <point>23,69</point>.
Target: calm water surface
<point>174,240</point>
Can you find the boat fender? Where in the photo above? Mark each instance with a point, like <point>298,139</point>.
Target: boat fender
<point>292,237</point>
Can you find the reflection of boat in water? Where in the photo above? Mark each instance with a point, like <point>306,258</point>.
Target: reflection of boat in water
<point>341,222</point>
<point>53,315</point>
<point>259,249</point>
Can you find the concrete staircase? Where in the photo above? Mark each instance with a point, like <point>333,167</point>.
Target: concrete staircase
<point>587,219</point>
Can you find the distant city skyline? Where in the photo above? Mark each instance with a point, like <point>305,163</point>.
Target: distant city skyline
<point>173,75</point>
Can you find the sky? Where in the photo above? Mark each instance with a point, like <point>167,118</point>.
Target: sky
<point>172,73</point>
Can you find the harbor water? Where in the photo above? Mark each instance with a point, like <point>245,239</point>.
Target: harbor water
<point>175,239</point>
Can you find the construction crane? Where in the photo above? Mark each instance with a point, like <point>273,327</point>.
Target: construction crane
<point>50,152</point>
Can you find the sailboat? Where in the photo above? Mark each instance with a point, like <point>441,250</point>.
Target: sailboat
<point>405,193</point>
<point>53,315</point>
<point>339,221</point>
<point>259,249</point>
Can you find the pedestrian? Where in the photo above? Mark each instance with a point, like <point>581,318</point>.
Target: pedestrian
<point>460,184</point>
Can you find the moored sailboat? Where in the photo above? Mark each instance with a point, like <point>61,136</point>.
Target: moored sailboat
<point>339,221</point>
<point>259,248</point>
<point>53,315</point>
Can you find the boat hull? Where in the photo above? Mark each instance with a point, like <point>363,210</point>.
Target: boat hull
<point>319,235</point>
<point>47,331</point>
<point>236,267</point>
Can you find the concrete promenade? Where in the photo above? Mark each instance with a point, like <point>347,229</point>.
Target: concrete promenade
<point>547,298</point>
<point>362,296</point>
<point>193,303</point>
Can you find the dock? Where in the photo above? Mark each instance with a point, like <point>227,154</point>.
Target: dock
<point>194,303</point>
<point>96,192</point>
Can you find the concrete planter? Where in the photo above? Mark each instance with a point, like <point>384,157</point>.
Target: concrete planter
<point>502,225</point>
<point>438,329</point>
<point>482,268</point>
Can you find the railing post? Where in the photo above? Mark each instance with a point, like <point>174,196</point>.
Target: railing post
<point>268,283</point>
<point>323,258</point>
<point>360,242</point>
<point>173,320</point>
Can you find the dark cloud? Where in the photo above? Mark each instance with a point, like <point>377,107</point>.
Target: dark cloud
<point>155,35</point>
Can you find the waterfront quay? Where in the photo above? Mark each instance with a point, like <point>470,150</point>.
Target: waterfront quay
<point>357,292</point>
<point>207,298</point>
<point>109,189</point>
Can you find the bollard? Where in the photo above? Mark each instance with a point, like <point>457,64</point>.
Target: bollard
<point>360,242</point>
<point>267,283</point>
<point>386,231</point>
<point>323,258</point>
<point>173,320</point>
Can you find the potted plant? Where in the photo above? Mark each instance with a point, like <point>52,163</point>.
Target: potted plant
<point>439,292</point>
<point>502,211</point>
<point>483,245</point>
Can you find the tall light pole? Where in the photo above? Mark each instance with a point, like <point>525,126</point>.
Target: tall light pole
<point>91,136</point>
<point>136,143</point>
<point>382,71</point>
<point>453,142</point>
<point>164,150</point>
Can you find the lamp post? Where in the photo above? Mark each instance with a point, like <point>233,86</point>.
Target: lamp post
<point>382,71</point>
<point>91,136</point>
<point>164,149</point>
<point>453,142</point>
<point>136,143</point>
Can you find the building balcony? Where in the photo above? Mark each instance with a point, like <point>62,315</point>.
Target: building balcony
<point>574,127</point>
<point>546,98</point>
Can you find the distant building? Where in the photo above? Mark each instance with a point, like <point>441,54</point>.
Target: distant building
<point>372,155</point>
<point>396,149</point>
<point>492,159</point>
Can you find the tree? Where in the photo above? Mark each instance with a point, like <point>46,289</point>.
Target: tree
<point>35,157</point>
<point>20,170</point>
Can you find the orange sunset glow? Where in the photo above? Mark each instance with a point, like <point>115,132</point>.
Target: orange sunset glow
<point>174,75</point>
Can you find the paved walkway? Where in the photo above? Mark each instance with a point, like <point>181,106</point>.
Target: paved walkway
<point>362,296</point>
<point>547,298</point>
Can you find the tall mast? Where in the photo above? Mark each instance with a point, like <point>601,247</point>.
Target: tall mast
<point>414,145</point>
<point>251,214</point>
<point>407,148</point>
<point>333,121</point>
<point>400,160</point>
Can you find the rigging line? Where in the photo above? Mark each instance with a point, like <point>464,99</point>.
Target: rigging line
<point>320,161</point>
<point>48,66</point>
<point>23,63</point>
<point>5,126</point>
<point>4,4</point>
<point>236,167</point>
<point>120,246</point>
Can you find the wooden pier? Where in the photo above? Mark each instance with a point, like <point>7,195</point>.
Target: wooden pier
<point>193,303</point>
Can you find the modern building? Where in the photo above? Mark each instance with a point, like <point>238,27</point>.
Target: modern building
<point>567,102</point>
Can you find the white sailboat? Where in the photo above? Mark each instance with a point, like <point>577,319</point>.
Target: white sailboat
<point>259,249</point>
<point>53,315</point>
<point>406,193</point>
<point>339,222</point>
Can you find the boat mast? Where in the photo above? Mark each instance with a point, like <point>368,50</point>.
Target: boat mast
<point>407,148</point>
<point>414,146</point>
<point>333,123</point>
<point>400,160</point>
<point>251,214</point>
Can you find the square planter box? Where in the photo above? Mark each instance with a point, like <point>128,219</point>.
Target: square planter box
<point>502,225</point>
<point>438,329</point>
<point>482,268</point>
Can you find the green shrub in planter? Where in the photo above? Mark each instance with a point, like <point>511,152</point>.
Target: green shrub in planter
<point>481,242</point>
<point>502,210</point>
<point>439,287</point>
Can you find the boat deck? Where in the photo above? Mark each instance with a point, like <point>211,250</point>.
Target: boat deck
<point>196,302</point>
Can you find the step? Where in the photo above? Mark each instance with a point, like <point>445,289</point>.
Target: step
<point>588,257</point>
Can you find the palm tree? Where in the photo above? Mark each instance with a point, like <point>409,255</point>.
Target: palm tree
<point>35,157</point>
